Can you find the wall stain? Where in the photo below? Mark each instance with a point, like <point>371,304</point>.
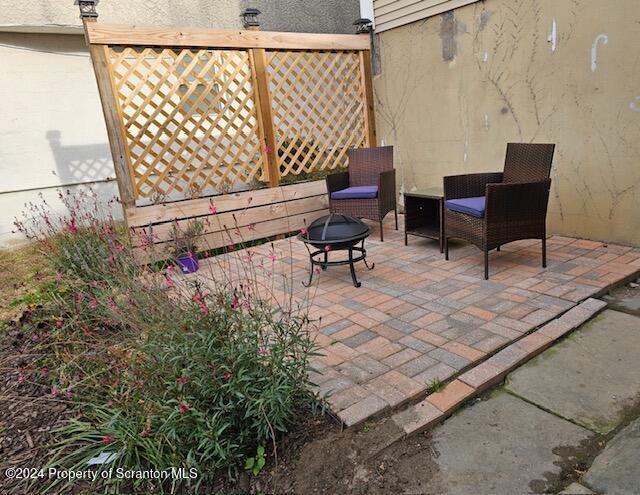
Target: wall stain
<point>448,33</point>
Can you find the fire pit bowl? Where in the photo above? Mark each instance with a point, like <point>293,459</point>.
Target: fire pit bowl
<point>336,232</point>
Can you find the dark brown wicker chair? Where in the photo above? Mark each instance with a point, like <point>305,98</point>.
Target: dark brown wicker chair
<point>514,202</point>
<point>368,189</point>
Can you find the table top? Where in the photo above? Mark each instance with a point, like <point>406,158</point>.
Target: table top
<point>429,192</point>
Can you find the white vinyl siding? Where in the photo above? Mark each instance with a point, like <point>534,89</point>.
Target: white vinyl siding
<point>393,13</point>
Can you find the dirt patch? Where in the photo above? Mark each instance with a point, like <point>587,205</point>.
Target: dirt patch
<point>22,271</point>
<point>346,462</point>
<point>28,411</point>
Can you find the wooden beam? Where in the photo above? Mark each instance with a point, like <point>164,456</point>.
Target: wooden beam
<point>367,90</point>
<point>113,120</point>
<point>142,216</point>
<point>258,59</point>
<point>112,34</point>
<point>233,220</point>
<point>244,234</point>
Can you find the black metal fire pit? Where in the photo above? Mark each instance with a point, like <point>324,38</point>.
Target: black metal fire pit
<point>336,232</point>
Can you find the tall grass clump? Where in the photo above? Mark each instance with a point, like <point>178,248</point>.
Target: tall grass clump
<point>181,377</point>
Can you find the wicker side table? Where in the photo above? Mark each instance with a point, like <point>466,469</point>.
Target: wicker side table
<point>424,214</point>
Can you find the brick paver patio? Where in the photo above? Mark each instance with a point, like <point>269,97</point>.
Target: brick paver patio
<point>418,318</point>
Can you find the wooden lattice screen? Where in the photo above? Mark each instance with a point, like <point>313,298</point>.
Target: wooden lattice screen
<point>194,113</point>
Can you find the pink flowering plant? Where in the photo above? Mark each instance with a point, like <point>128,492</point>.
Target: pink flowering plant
<point>164,371</point>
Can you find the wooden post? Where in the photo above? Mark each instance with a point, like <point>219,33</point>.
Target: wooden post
<point>367,89</point>
<point>258,58</point>
<point>364,27</point>
<point>262,97</point>
<point>110,109</point>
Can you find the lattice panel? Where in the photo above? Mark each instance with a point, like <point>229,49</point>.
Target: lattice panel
<point>189,119</point>
<point>318,108</point>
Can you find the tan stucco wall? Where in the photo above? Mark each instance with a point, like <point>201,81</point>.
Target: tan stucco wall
<point>454,91</point>
<point>197,13</point>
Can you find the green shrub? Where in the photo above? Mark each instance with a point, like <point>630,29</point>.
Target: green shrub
<point>164,372</point>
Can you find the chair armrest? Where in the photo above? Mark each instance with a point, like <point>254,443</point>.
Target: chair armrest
<point>387,191</point>
<point>337,182</point>
<point>387,180</point>
<point>522,201</point>
<point>469,185</point>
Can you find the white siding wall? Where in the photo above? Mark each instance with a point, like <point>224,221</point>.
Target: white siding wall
<point>393,13</point>
<point>52,131</point>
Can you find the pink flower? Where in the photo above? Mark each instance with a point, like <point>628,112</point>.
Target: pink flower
<point>183,407</point>
<point>71,225</point>
<point>59,276</point>
<point>107,439</point>
<point>182,380</point>
<point>93,303</point>
<point>213,209</point>
<point>327,248</point>
<point>273,257</point>
<point>58,322</point>
<point>227,376</point>
<point>21,379</point>
<point>267,149</point>
<point>304,231</point>
<point>144,433</point>
<point>168,282</point>
<point>35,337</point>
<point>54,391</point>
<point>44,371</point>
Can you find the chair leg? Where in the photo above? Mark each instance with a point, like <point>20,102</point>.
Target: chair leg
<point>396,214</point>
<point>544,252</point>
<point>498,249</point>
<point>486,264</point>
<point>446,248</point>
<point>381,234</point>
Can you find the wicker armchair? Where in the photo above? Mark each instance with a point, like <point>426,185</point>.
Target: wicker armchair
<point>368,189</point>
<point>492,209</point>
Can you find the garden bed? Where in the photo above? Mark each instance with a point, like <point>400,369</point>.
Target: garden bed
<point>146,371</point>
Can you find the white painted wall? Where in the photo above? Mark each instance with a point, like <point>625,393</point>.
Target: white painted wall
<point>52,131</point>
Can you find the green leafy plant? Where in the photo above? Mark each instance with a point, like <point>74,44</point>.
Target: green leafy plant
<point>436,385</point>
<point>165,372</point>
<point>257,462</point>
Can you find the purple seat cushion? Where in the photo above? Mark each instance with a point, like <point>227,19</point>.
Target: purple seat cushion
<point>470,206</point>
<point>356,192</point>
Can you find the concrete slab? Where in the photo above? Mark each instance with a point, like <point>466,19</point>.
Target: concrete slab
<point>625,298</point>
<point>616,469</point>
<point>591,377</point>
<point>500,446</point>
<point>576,489</point>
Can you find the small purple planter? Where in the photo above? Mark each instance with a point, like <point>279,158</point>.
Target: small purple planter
<point>188,263</point>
